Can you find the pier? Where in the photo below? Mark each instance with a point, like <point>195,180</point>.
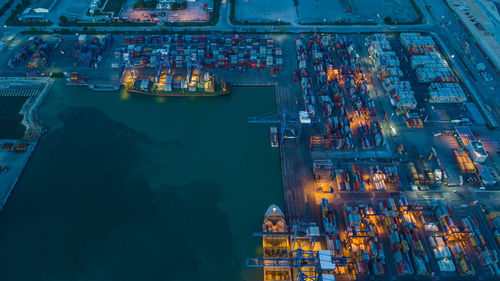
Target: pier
<point>295,160</point>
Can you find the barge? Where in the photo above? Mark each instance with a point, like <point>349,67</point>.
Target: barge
<point>274,137</point>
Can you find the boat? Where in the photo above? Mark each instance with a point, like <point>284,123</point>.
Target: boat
<point>104,88</point>
<point>274,220</point>
<point>274,137</point>
<point>180,88</point>
<point>275,243</point>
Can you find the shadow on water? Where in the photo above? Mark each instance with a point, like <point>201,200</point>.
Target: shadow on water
<point>10,119</point>
<point>91,215</point>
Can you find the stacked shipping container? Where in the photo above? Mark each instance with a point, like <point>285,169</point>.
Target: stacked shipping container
<point>234,52</point>
<point>36,50</point>
<point>430,66</point>
<point>387,63</point>
<point>463,160</point>
<point>363,240</point>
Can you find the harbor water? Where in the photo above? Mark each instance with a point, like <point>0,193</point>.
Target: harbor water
<point>127,187</point>
<point>10,119</point>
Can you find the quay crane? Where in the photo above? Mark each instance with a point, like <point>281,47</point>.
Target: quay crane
<point>290,122</point>
<point>127,66</point>
<point>163,61</point>
<point>190,65</point>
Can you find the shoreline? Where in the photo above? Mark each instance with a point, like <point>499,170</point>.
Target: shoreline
<point>14,155</point>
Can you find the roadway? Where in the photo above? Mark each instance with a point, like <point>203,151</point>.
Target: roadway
<point>453,35</point>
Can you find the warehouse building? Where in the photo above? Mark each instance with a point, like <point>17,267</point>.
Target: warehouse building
<point>37,10</point>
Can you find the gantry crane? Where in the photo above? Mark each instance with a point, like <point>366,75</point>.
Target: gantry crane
<point>290,122</point>
<point>125,66</point>
<point>163,61</point>
<point>190,65</point>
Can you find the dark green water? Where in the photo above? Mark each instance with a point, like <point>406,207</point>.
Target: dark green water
<point>10,119</point>
<point>137,188</point>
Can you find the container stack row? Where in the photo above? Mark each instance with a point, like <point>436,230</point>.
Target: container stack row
<point>453,241</point>
<point>343,180</point>
<point>399,92</point>
<point>431,67</point>
<point>386,62</point>
<point>494,222</point>
<point>413,119</point>
<point>399,246</point>
<point>365,178</point>
<point>424,177</point>
<point>363,240</point>
<point>88,50</point>
<point>487,257</point>
<point>446,93</point>
<point>330,228</point>
<point>35,50</point>
<point>370,133</point>
<point>465,164</point>
<point>340,133</point>
<point>232,52</point>
<point>302,76</point>
<point>407,222</point>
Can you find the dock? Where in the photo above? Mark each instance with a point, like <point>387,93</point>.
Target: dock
<point>295,163</point>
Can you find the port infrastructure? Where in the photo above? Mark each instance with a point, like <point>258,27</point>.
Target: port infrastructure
<point>290,122</point>
<point>125,67</point>
<point>163,61</point>
<point>304,258</point>
<point>190,65</point>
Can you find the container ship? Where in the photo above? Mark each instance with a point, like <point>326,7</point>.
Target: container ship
<point>275,245</point>
<point>181,88</point>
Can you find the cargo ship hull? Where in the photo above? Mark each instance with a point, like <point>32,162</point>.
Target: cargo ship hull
<point>178,94</point>
<point>145,87</point>
<point>275,243</point>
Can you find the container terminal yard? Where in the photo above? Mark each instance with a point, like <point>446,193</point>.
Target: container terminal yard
<point>389,167</point>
